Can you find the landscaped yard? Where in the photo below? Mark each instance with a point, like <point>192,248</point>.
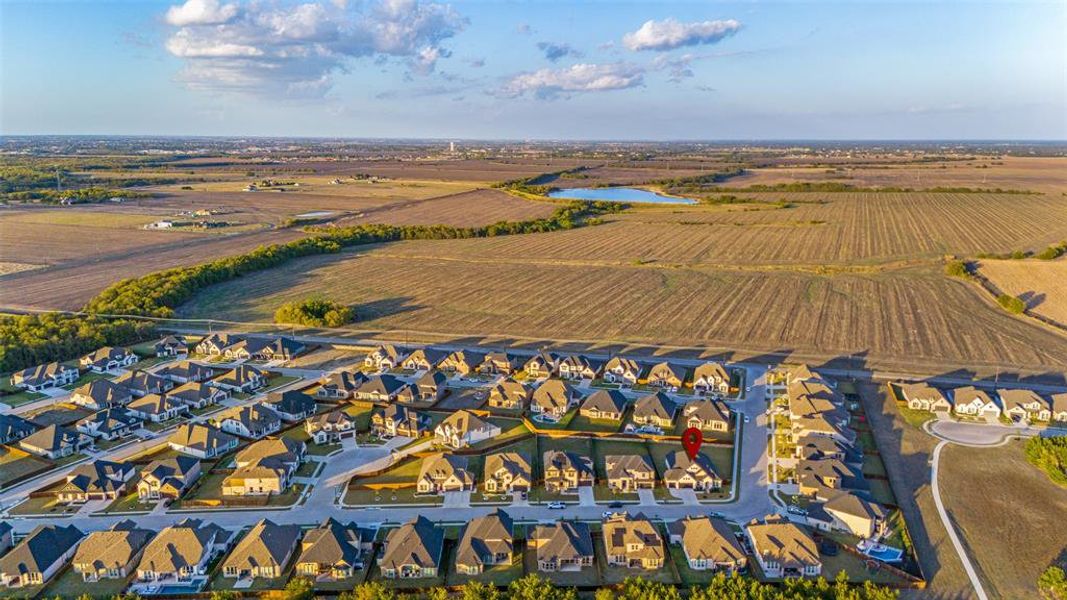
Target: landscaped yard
<point>42,506</point>
<point>613,575</point>
<point>16,463</point>
<point>583,423</point>
<point>129,502</point>
<point>69,584</point>
<point>14,397</point>
<point>59,414</point>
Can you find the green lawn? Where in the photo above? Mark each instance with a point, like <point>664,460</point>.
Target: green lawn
<point>915,418</point>
<point>308,469</point>
<point>561,424</point>
<point>585,577</point>
<point>612,575</point>
<point>69,584</point>
<point>500,575</point>
<point>19,398</point>
<point>583,423</point>
<point>42,506</point>
<point>129,503</point>
<point>85,378</point>
<point>15,463</point>
<point>322,449</point>
<point>276,381</point>
<point>688,576</point>
<point>386,497</point>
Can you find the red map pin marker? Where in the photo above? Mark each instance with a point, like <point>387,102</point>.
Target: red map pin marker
<point>692,438</point>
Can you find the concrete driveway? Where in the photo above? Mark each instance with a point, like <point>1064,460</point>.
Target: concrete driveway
<point>586,496</point>
<point>687,496</point>
<point>646,497</point>
<point>457,499</point>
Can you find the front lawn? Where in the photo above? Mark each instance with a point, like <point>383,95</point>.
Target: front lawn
<point>43,506</point>
<point>19,398</point>
<point>365,497</point>
<point>16,463</point>
<point>69,584</point>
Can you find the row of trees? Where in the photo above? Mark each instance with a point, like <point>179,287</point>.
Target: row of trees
<point>29,340</point>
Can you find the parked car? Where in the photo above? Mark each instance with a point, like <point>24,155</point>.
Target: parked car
<point>747,419</point>
<point>615,505</point>
<point>557,505</point>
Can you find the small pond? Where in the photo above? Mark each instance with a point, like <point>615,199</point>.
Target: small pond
<point>618,194</point>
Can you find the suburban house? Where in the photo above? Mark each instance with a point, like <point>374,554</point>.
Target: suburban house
<point>622,370</point>
<point>707,415</point>
<point>110,554</point>
<point>604,405</point>
<point>711,378</point>
<point>431,386</point>
<point>423,359</point>
<point>851,512</point>
<point>109,424</point>
<point>172,346</point>
<point>817,477</point>
<point>693,473</point>
<point>507,472</point>
<point>923,396</point>
<point>250,421</point>
<point>708,543</point>
<point>408,394</point>
<point>41,377</point>
<point>667,376</point>
<point>167,478</point>
<point>500,363</point>
<point>814,447</point>
<point>629,472</point>
<point>969,400</point>
<point>654,410</point>
<point>13,428</point>
<point>509,395</point>
<point>54,441</point>
<point>180,554</point>
<point>291,406</point>
<point>186,371</point>
<point>385,357</point>
<point>98,480</point>
<point>552,399</point>
<point>463,362</point>
<point>142,383</point>
<point>412,550</point>
<point>330,427</point>
<point>485,541</point>
<point>107,358</point>
<point>442,473</point>
<point>562,546</point>
<point>633,542</point>
<point>565,472</point>
<point>783,549</point>
<point>157,408</point>
<point>1024,406</point>
<point>201,441</point>
<point>100,394</point>
<point>216,343</point>
<point>279,348</point>
<point>542,364</point>
<point>340,385</point>
<point>38,557</point>
<point>198,395</point>
<point>379,388</point>
<point>242,378</point>
<point>263,552</point>
<point>394,420</point>
<point>577,366</point>
<point>817,409</point>
<point>264,467</point>
<point>330,552</point>
<point>463,428</point>
<point>1059,408</point>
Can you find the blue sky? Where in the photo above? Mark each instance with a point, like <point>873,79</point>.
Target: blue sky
<point>536,70</point>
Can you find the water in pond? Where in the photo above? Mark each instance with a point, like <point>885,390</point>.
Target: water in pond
<point>618,194</point>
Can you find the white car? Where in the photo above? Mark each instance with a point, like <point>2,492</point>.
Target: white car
<point>748,419</point>
<point>556,505</point>
<point>607,514</point>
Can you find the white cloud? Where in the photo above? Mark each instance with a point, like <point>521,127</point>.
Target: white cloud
<point>273,47</point>
<point>555,51</point>
<point>201,12</point>
<point>548,83</point>
<point>671,33</point>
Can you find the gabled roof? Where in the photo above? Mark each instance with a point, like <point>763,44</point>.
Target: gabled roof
<point>200,436</point>
<point>384,385</point>
<point>969,393</point>
<point>39,550</point>
<point>104,392</point>
<point>266,544</point>
<point>626,364</point>
<point>711,370</point>
<point>431,380</point>
<point>510,390</point>
<point>464,421</point>
<point>857,505</point>
<point>679,459</point>
<point>271,453</point>
<point>565,460</point>
<point>239,375</point>
<point>141,380</point>
<point>655,405</point>
<point>111,549</point>
<point>707,410</point>
<point>666,370</point>
<point>634,536</point>
<point>623,465</point>
<point>154,404</point>
<point>249,415</point>
<point>105,354</point>
<point>429,356</point>
<point>512,462</point>
<point>180,545</point>
<point>485,536</point>
<point>331,543</point>
<point>565,540</point>
<point>440,466</point>
<point>1012,398</point>
<point>1059,402</point>
<point>333,417</point>
<point>345,381</point>
<point>292,402</point>
<point>708,539</point>
<point>41,373</point>
<point>193,392</point>
<point>52,437</point>
<point>416,542</point>
<point>97,476</point>
<point>605,401</point>
<point>187,369</point>
<point>779,540</point>
<point>13,427</point>
<point>553,393</point>
<point>177,466</point>
<point>921,391</point>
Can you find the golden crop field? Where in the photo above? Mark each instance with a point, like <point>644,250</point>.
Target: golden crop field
<point>478,207</point>
<point>917,313</point>
<point>1041,284</point>
<point>35,242</point>
<point>847,229</point>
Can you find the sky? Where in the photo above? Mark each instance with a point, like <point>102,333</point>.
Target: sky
<point>575,69</point>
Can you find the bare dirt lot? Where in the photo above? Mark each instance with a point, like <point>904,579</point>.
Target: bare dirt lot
<point>1010,552</point>
<point>1041,284</point>
<point>464,209</point>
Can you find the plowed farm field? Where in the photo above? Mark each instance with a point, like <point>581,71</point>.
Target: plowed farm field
<point>1041,284</point>
<point>913,313</point>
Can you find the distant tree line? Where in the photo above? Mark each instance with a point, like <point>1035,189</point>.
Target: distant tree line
<point>33,339</point>
<point>837,186</point>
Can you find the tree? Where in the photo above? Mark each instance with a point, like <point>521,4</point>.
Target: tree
<point>225,595</point>
<point>1053,583</point>
<point>639,588</point>
<point>1011,304</point>
<point>957,268</point>
<point>534,587</point>
<point>476,590</point>
<point>373,590</point>
<point>299,588</point>
<point>1050,455</point>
